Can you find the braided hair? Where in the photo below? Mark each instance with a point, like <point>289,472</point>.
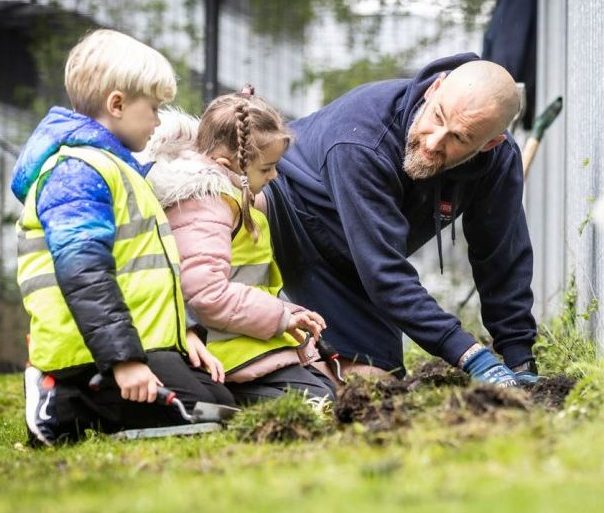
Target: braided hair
<point>244,150</point>
<point>241,124</point>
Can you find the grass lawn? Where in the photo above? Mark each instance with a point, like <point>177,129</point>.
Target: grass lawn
<point>437,455</point>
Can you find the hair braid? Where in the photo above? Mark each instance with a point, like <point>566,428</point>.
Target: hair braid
<point>243,157</point>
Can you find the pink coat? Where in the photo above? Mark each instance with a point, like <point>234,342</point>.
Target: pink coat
<point>202,228</point>
<point>190,187</point>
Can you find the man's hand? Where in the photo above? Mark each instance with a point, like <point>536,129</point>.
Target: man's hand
<point>482,366</point>
<point>200,356</point>
<point>526,373</point>
<point>305,321</point>
<point>136,381</point>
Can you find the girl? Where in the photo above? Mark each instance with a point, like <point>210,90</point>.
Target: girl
<point>206,177</point>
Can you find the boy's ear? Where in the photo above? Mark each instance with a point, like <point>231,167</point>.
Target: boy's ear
<point>115,104</point>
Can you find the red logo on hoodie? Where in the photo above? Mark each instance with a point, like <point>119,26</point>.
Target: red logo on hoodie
<point>446,210</point>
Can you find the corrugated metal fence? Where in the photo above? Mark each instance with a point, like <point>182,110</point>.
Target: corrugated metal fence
<point>569,167</point>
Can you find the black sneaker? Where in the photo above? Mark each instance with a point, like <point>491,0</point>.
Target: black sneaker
<point>40,407</point>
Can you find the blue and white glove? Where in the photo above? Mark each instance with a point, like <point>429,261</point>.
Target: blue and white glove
<point>484,367</point>
<point>526,373</point>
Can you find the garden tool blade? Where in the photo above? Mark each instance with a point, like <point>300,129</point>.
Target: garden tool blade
<point>162,432</point>
<point>210,412</point>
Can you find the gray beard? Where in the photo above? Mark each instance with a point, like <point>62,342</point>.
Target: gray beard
<point>415,166</point>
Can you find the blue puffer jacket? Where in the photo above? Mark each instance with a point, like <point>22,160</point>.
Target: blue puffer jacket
<point>75,209</point>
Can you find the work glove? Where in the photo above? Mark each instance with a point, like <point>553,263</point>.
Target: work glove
<point>526,373</point>
<point>484,367</point>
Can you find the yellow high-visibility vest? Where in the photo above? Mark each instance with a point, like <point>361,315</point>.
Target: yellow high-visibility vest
<point>253,264</point>
<point>146,261</point>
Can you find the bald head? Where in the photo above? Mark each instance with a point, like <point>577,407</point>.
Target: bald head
<point>486,89</point>
<point>465,113</point>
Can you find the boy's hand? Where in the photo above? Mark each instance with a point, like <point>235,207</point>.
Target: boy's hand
<point>136,381</point>
<point>200,356</point>
<point>306,321</point>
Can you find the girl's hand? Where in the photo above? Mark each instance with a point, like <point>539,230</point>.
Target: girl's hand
<point>306,320</point>
<point>201,357</point>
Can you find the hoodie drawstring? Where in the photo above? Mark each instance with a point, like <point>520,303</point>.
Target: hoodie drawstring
<point>437,223</point>
<point>438,213</point>
<point>454,196</point>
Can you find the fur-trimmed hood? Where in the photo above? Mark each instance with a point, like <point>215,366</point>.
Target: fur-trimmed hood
<point>180,172</point>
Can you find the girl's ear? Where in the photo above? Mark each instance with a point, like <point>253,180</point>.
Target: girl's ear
<point>223,161</point>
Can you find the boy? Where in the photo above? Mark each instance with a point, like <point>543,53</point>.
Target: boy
<point>97,263</point>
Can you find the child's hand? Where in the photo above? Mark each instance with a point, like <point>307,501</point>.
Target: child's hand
<point>136,381</point>
<point>306,320</point>
<point>200,356</point>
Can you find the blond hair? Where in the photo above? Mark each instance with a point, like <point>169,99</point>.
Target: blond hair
<point>242,125</point>
<point>106,60</point>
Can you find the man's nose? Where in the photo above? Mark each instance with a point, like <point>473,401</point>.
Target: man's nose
<point>434,141</point>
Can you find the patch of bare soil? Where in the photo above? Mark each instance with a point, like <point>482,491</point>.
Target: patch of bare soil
<point>377,405</point>
<point>437,373</point>
<point>484,398</point>
<point>383,405</point>
<point>550,392</point>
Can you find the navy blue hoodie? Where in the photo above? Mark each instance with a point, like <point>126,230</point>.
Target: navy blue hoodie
<point>365,216</point>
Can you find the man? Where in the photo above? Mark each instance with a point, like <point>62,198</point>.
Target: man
<point>379,172</point>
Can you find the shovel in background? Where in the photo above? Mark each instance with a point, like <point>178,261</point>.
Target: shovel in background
<point>203,418</point>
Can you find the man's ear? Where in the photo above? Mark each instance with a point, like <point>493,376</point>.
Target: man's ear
<point>434,86</point>
<point>115,104</point>
<point>493,142</point>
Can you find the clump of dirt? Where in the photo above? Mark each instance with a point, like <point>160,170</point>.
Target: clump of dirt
<point>287,418</point>
<point>383,405</point>
<point>378,405</point>
<point>484,399</point>
<point>437,373</point>
<point>550,392</point>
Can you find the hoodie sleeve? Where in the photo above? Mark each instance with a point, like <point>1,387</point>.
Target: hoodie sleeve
<point>202,229</point>
<point>75,209</point>
<point>368,195</point>
<point>501,256</point>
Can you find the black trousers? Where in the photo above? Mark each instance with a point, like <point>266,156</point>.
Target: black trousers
<point>79,408</point>
<point>295,377</point>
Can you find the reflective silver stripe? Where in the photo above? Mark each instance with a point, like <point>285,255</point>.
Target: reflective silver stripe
<point>39,282</point>
<point>32,245</point>
<point>176,269</point>
<point>134,228</point>
<point>133,210</point>
<point>137,264</point>
<point>145,262</point>
<point>216,336</point>
<point>126,231</point>
<point>164,229</point>
<point>257,274</point>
